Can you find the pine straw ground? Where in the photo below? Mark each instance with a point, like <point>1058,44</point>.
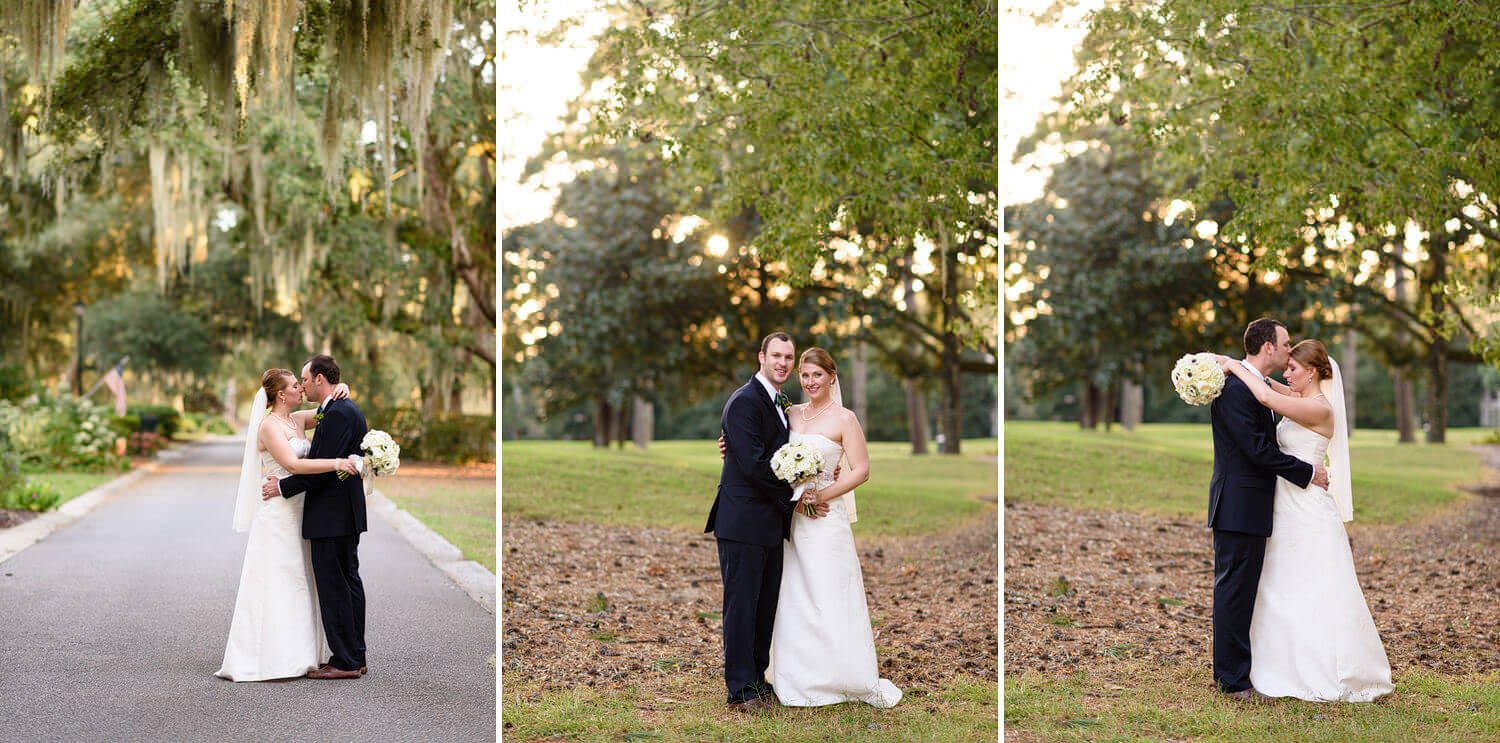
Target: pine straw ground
<point>1105,590</point>
<point>608,607</point>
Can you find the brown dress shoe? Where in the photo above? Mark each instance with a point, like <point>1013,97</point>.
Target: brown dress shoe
<point>1252,696</point>
<point>758,705</point>
<point>329,672</point>
<point>362,669</point>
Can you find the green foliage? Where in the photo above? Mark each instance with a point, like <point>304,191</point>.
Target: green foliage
<point>30,495</point>
<point>442,437</point>
<point>1330,128</point>
<point>60,433</point>
<point>875,114</point>
<point>168,418</point>
<point>155,334</point>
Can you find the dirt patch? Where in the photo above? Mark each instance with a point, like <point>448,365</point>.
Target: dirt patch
<point>612,607</point>
<point>1091,588</point>
<point>476,470</point>
<point>9,518</point>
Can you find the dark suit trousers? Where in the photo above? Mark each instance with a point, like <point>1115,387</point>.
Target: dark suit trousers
<point>341,599</point>
<point>752,583</point>
<point>1237,562</point>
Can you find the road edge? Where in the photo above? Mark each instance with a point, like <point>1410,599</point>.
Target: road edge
<point>16,539</point>
<point>474,579</point>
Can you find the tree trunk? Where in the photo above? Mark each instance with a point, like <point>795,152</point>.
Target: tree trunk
<point>1132,404</point>
<point>1405,399</point>
<point>1350,364</point>
<point>1405,402</point>
<point>953,414</point>
<point>953,401</point>
<point>1437,352</point>
<point>1088,408</point>
<point>642,422</point>
<point>622,425</point>
<point>603,421</point>
<point>916,416</point>
<point>1107,405</point>
<point>859,385</point>
<point>1437,393</point>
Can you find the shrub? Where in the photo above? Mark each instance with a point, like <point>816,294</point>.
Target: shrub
<point>452,438</point>
<point>10,467</point>
<point>147,443</point>
<point>168,420</point>
<point>31,495</point>
<point>14,382</point>
<point>60,432</point>
<point>217,425</point>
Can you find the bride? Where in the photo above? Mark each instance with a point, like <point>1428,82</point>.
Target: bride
<point>276,631</point>
<point>1311,634</point>
<point>822,648</point>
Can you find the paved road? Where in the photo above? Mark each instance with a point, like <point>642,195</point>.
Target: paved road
<point>112,627</point>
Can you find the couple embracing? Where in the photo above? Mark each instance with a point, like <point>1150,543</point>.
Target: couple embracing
<point>796,625</point>
<point>1289,618</point>
<point>300,598</point>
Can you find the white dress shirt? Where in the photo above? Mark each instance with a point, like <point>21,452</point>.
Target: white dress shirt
<point>772,391</point>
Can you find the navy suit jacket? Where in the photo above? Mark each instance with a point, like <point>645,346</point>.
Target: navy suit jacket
<point>1247,461</point>
<point>333,507</point>
<point>752,505</point>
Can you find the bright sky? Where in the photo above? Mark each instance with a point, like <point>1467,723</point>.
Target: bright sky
<point>535,84</point>
<point>1034,60</point>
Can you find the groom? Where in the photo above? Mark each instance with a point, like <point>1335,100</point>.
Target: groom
<point>1247,461</point>
<point>751,515</point>
<point>333,516</point>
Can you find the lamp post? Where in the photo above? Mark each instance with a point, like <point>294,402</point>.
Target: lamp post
<point>78,308</point>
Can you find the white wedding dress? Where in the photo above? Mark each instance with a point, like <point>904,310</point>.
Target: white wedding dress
<point>822,647</point>
<point>276,631</point>
<point>1311,634</point>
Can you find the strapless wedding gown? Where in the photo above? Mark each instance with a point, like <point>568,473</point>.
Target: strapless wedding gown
<point>822,647</point>
<point>1311,634</point>
<point>276,631</point>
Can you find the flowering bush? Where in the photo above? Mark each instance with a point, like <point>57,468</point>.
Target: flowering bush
<point>60,432</point>
<point>31,495</point>
<point>146,443</point>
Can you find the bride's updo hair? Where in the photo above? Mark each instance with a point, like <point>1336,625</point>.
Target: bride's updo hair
<point>274,381</point>
<point>1311,354</point>
<point>819,358</point>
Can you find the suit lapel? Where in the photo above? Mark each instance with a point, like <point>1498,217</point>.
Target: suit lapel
<point>765,396</point>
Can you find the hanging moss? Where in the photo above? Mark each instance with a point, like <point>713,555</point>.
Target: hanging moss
<point>41,29</point>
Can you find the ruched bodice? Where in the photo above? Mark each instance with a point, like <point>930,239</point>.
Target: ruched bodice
<point>269,467</point>
<point>1303,443</point>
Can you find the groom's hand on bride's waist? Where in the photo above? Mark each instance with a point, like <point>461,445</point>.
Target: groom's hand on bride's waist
<point>270,488</point>
<point>1320,476</point>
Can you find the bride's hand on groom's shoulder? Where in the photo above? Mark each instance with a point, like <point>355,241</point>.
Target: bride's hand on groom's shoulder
<point>340,392</point>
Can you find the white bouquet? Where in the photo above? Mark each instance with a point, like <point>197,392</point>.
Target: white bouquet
<point>1198,378</point>
<point>798,465</point>
<point>382,455</point>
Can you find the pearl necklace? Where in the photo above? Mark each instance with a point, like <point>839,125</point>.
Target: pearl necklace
<point>806,417</point>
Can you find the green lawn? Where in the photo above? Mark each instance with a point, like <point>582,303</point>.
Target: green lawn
<point>1155,702</point>
<point>672,483</point>
<point>74,484</point>
<point>460,509</point>
<point>1165,468</point>
<point>694,710</point>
